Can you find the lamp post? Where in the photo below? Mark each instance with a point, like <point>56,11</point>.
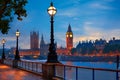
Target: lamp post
<point>52,55</point>
<point>17,57</point>
<point>3,53</point>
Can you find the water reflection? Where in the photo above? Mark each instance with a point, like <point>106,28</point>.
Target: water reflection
<point>106,65</point>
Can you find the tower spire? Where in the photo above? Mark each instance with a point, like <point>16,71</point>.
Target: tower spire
<point>69,28</point>
<point>42,40</point>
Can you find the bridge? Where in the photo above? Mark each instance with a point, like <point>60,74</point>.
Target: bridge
<point>42,71</point>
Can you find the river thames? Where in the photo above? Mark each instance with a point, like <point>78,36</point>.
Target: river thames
<point>106,65</point>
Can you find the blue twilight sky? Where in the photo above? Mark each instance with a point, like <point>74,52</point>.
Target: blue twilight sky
<point>89,19</point>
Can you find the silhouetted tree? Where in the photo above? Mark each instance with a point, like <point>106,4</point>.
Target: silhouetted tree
<point>9,8</point>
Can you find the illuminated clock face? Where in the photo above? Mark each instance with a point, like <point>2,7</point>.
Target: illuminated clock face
<point>70,35</point>
<point>67,35</point>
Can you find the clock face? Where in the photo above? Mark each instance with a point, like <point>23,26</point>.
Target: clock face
<point>70,35</point>
<point>67,35</point>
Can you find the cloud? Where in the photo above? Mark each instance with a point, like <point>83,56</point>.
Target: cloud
<point>76,1</point>
<point>109,0</point>
<point>60,39</point>
<point>100,6</point>
<point>61,36</point>
<point>88,23</point>
<point>69,12</point>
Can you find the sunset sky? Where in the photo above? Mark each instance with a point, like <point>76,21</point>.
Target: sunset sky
<point>89,20</point>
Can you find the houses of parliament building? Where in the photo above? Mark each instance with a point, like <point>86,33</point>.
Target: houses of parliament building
<point>97,47</point>
<point>41,49</point>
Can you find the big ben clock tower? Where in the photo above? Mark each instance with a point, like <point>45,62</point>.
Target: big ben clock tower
<point>69,38</point>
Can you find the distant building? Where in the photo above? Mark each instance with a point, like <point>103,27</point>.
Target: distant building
<point>34,40</point>
<point>26,52</point>
<point>89,47</point>
<point>34,49</point>
<point>69,38</point>
<point>99,47</point>
<point>100,44</point>
<point>114,41</point>
<point>62,51</point>
<point>43,47</point>
<point>69,43</point>
<point>85,47</point>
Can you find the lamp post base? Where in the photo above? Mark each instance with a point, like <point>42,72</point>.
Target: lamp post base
<point>2,61</point>
<point>15,63</point>
<point>52,58</point>
<point>3,56</point>
<point>49,70</point>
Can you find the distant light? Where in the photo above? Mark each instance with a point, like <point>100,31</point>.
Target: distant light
<point>3,41</point>
<point>17,33</point>
<point>35,56</point>
<point>21,56</point>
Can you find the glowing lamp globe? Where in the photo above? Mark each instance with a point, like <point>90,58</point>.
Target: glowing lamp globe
<point>17,33</point>
<point>3,41</point>
<point>51,10</point>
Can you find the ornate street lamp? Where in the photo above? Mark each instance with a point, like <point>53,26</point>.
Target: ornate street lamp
<point>17,57</point>
<point>52,55</point>
<point>3,53</point>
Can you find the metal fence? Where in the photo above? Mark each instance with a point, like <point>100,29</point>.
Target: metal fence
<point>71,72</point>
<point>26,65</point>
<point>8,62</point>
<point>31,66</point>
<point>85,73</point>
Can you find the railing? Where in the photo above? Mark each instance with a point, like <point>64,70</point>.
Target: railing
<point>84,73</point>
<point>31,66</point>
<point>8,62</point>
<point>71,72</point>
<point>26,65</point>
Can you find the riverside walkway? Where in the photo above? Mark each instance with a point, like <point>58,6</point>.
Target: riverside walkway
<point>28,70</point>
<point>9,73</point>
